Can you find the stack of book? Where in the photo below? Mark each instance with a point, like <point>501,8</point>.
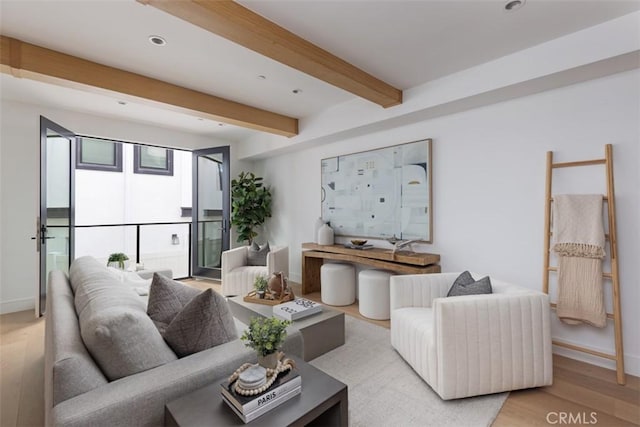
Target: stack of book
<point>248,408</point>
<point>296,309</point>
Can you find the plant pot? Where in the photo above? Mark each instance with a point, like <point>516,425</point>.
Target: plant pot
<point>122,265</point>
<point>270,361</point>
<point>260,294</point>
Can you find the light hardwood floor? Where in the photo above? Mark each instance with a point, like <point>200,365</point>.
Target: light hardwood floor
<point>579,389</point>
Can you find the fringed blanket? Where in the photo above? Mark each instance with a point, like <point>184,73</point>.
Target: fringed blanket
<point>578,236</point>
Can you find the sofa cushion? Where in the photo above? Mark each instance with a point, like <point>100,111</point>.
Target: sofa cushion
<point>257,255</point>
<point>167,298</point>
<point>94,285</point>
<point>465,284</point>
<point>205,322</point>
<point>124,341</point>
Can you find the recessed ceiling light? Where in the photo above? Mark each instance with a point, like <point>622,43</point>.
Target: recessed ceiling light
<point>296,91</point>
<point>261,77</point>
<point>122,102</point>
<point>157,40</point>
<point>513,5</point>
<point>201,119</point>
<point>220,124</point>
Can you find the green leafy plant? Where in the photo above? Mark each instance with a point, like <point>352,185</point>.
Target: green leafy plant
<point>118,257</point>
<point>260,283</point>
<point>250,205</point>
<point>265,334</point>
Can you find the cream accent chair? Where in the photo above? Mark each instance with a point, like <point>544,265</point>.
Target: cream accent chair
<point>474,344</point>
<point>238,277</point>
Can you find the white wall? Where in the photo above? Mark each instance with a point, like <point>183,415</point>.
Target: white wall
<point>488,186</point>
<point>19,183</point>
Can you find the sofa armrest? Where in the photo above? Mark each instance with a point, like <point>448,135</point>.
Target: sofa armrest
<point>278,260</point>
<point>508,335</point>
<point>233,258</point>
<point>140,399</point>
<point>419,290</point>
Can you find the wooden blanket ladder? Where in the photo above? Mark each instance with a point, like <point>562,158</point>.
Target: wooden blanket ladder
<point>611,237</point>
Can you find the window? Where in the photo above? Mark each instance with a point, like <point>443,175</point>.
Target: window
<point>152,160</point>
<point>98,154</point>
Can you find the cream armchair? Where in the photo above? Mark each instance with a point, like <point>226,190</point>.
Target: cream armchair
<point>238,277</point>
<point>475,344</point>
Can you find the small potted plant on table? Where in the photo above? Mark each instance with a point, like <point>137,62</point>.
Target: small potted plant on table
<point>117,260</point>
<point>260,285</point>
<point>265,335</point>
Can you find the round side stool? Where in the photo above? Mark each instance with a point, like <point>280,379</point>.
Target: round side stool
<point>338,284</point>
<point>373,294</point>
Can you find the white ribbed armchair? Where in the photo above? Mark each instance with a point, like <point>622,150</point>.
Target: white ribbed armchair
<point>238,277</point>
<point>475,344</point>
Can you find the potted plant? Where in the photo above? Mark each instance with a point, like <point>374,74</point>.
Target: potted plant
<point>117,260</point>
<point>250,205</point>
<point>260,285</point>
<point>265,335</point>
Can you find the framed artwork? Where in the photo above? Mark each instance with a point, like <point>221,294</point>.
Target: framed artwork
<point>380,193</point>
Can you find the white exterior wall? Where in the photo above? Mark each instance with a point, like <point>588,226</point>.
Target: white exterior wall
<point>19,183</point>
<point>488,187</point>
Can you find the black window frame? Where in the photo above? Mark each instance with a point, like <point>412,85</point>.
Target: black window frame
<point>117,147</point>
<point>138,168</point>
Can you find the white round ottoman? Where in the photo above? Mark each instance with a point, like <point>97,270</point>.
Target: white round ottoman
<point>338,284</point>
<point>373,294</point>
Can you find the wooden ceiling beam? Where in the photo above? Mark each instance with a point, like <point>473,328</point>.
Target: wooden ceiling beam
<point>240,25</point>
<point>38,63</point>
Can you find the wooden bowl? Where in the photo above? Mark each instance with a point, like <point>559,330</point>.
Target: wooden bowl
<point>358,242</point>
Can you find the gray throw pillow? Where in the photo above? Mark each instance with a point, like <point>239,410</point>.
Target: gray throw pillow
<point>124,342</point>
<point>466,285</point>
<point>257,256</point>
<point>205,322</point>
<point>167,298</point>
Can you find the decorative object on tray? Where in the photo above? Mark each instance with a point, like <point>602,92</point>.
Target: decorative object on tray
<point>277,291</point>
<point>246,379</point>
<point>276,387</point>
<point>358,242</point>
<point>117,260</point>
<point>325,235</point>
<point>297,309</point>
<point>265,335</point>
<point>260,285</point>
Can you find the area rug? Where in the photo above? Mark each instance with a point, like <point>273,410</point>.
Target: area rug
<point>385,391</point>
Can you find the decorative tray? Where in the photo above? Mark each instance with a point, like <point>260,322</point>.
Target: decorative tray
<point>352,246</point>
<point>252,297</point>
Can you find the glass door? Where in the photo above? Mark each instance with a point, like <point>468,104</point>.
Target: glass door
<point>54,232</point>
<point>211,210</point>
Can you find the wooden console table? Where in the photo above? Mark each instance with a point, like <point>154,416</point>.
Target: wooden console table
<point>313,256</point>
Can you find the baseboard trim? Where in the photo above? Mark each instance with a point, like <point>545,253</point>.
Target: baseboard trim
<point>14,305</point>
<point>631,362</point>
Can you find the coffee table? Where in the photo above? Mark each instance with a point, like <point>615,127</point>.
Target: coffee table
<point>323,401</point>
<point>321,332</point>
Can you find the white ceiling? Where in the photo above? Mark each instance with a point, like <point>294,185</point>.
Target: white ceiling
<point>405,43</point>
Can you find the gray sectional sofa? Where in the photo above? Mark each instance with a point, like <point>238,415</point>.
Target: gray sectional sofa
<point>79,393</point>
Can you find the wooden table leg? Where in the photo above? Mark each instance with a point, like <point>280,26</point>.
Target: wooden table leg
<point>311,274</point>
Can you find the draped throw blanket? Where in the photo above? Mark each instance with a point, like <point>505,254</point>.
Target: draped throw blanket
<point>578,236</point>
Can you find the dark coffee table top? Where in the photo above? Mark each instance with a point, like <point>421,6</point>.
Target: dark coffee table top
<point>204,407</point>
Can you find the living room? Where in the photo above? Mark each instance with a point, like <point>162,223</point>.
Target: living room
<point>492,112</point>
